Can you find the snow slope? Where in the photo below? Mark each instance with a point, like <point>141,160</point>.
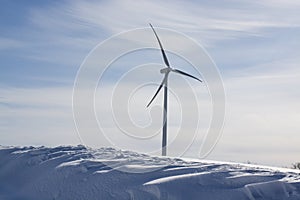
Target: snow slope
<point>31,173</point>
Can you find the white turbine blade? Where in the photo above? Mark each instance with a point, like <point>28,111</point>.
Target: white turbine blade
<point>157,91</point>
<point>186,74</point>
<point>161,47</point>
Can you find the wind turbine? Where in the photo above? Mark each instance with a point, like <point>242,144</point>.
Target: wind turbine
<point>164,83</point>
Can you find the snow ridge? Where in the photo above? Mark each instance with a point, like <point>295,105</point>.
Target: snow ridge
<point>77,172</point>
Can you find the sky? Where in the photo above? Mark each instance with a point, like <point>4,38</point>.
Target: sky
<point>254,44</point>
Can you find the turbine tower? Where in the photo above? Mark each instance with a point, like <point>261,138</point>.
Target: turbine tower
<point>164,83</point>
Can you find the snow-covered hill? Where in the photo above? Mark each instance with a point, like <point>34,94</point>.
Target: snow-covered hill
<point>81,173</point>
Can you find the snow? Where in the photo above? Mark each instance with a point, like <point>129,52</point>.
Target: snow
<point>77,172</point>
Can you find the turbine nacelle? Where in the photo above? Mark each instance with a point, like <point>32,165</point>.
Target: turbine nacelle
<point>165,70</point>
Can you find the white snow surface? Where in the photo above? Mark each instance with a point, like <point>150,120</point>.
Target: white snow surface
<point>77,172</point>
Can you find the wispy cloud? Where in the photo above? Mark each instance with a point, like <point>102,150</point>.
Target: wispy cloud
<point>210,21</point>
<point>37,116</point>
<point>8,43</point>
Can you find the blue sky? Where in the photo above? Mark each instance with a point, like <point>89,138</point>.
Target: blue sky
<point>254,44</point>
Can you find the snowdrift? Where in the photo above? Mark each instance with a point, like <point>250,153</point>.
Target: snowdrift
<point>35,173</point>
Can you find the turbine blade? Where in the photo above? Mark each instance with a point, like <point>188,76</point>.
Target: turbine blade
<point>186,74</point>
<point>161,47</point>
<point>157,91</point>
